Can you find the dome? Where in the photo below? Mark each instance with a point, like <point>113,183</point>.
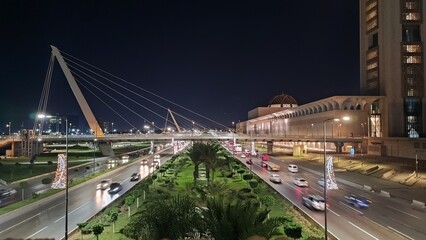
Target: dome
<point>283,100</point>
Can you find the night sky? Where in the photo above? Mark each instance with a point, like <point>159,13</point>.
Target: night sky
<point>220,59</point>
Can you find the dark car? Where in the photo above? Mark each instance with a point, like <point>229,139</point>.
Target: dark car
<point>249,161</point>
<point>115,187</point>
<point>357,201</point>
<point>4,193</point>
<point>135,177</point>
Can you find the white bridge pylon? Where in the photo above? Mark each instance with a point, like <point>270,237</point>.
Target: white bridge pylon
<point>88,114</point>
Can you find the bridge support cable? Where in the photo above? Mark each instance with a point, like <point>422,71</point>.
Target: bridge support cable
<point>114,99</point>
<point>140,88</point>
<point>87,112</point>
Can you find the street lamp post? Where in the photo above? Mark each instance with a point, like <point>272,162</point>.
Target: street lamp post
<point>66,175</point>
<point>325,170</point>
<point>9,126</point>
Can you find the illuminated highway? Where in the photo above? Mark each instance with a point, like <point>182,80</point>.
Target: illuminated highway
<point>386,218</point>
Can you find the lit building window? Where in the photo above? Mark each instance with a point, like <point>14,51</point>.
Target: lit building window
<point>411,48</point>
<point>371,55</point>
<point>410,92</point>
<point>371,5</point>
<point>371,15</point>
<point>372,65</point>
<point>410,5</point>
<point>412,59</point>
<point>372,24</point>
<point>411,16</point>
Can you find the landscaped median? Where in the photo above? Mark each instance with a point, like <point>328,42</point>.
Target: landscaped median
<point>169,204</point>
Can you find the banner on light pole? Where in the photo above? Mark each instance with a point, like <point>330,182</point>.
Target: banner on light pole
<point>61,172</point>
<point>330,178</point>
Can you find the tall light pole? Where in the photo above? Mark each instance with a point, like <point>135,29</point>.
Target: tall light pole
<point>41,116</point>
<point>325,169</point>
<point>9,126</point>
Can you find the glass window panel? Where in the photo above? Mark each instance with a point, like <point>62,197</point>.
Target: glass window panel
<point>412,59</point>
<point>412,48</point>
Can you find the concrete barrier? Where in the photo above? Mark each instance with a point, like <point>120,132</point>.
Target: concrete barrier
<point>370,169</point>
<point>384,193</point>
<point>367,188</point>
<point>388,174</point>
<point>418,204</point>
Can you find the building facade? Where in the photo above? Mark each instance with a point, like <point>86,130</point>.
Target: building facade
<point>392,61</point>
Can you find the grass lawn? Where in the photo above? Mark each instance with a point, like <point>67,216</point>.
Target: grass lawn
<point>183,180</point>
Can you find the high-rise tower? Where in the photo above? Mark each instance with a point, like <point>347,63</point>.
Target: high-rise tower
<point>392,63</point>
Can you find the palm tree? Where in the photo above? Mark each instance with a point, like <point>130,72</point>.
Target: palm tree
<point>194,153</point>
<point>239,221</point>
<point>174,218</point>
<point>212,156</point>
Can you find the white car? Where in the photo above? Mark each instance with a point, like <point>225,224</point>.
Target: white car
<point>301,182</point>
<point>275,178</point>
<point>243,155</point>
<point>104,184</point>
<point>315,202</point>
<point>293,168</point>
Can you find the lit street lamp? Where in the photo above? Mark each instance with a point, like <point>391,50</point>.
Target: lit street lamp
<point>42,116</point>
<point>325,170</point>
<point>9,126</point>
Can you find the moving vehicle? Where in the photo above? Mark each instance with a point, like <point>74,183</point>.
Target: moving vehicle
<point>243,155</point>
<point>275,178</point>
<point>265,157</point>
<point>301,182</point>
<point>144,162</point>
<point>135,177</point>
<point>104,184</point>
<point>249,161</point>
<point>115,187</point>
<point>270,166</point>
<point>314,202</point>
<point>4,193</point>
<point>357,201</point>
<point>321,182</point>
<point>293,168</point>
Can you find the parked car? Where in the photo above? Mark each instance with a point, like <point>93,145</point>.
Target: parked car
<point>275,178</point>
<point>357,201</point>
<point>104,184</point>
<point>293,168</point>
<point>315,202</point>
<point>301,182</point>
<point>135,177</point>
<point>115,187</point>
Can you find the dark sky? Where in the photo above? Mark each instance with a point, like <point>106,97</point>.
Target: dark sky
<point>218,58</point>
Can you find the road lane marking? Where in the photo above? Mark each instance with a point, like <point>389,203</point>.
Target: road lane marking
<point>19,223</point>
<point>36,233</point>
<point>363,230</point>
<point>59,219</point>
<point>333,212</point>
<point>356,210</point>
<point>409,214</point>
<point>402,234</point>
<point>56,205</point>
<point>79,207</point>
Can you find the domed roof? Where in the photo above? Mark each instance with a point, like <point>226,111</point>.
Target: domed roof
<point>283,100</point>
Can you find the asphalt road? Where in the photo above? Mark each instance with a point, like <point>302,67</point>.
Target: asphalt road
<point>386,218</point>
<point>45,219</point>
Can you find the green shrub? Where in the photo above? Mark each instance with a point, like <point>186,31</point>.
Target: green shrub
<point>253,183</point>
<point>49,162</point>
<point>247,176</point>
<point>245,190</point>
<point>293,230</point>
<point>241,171</point>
